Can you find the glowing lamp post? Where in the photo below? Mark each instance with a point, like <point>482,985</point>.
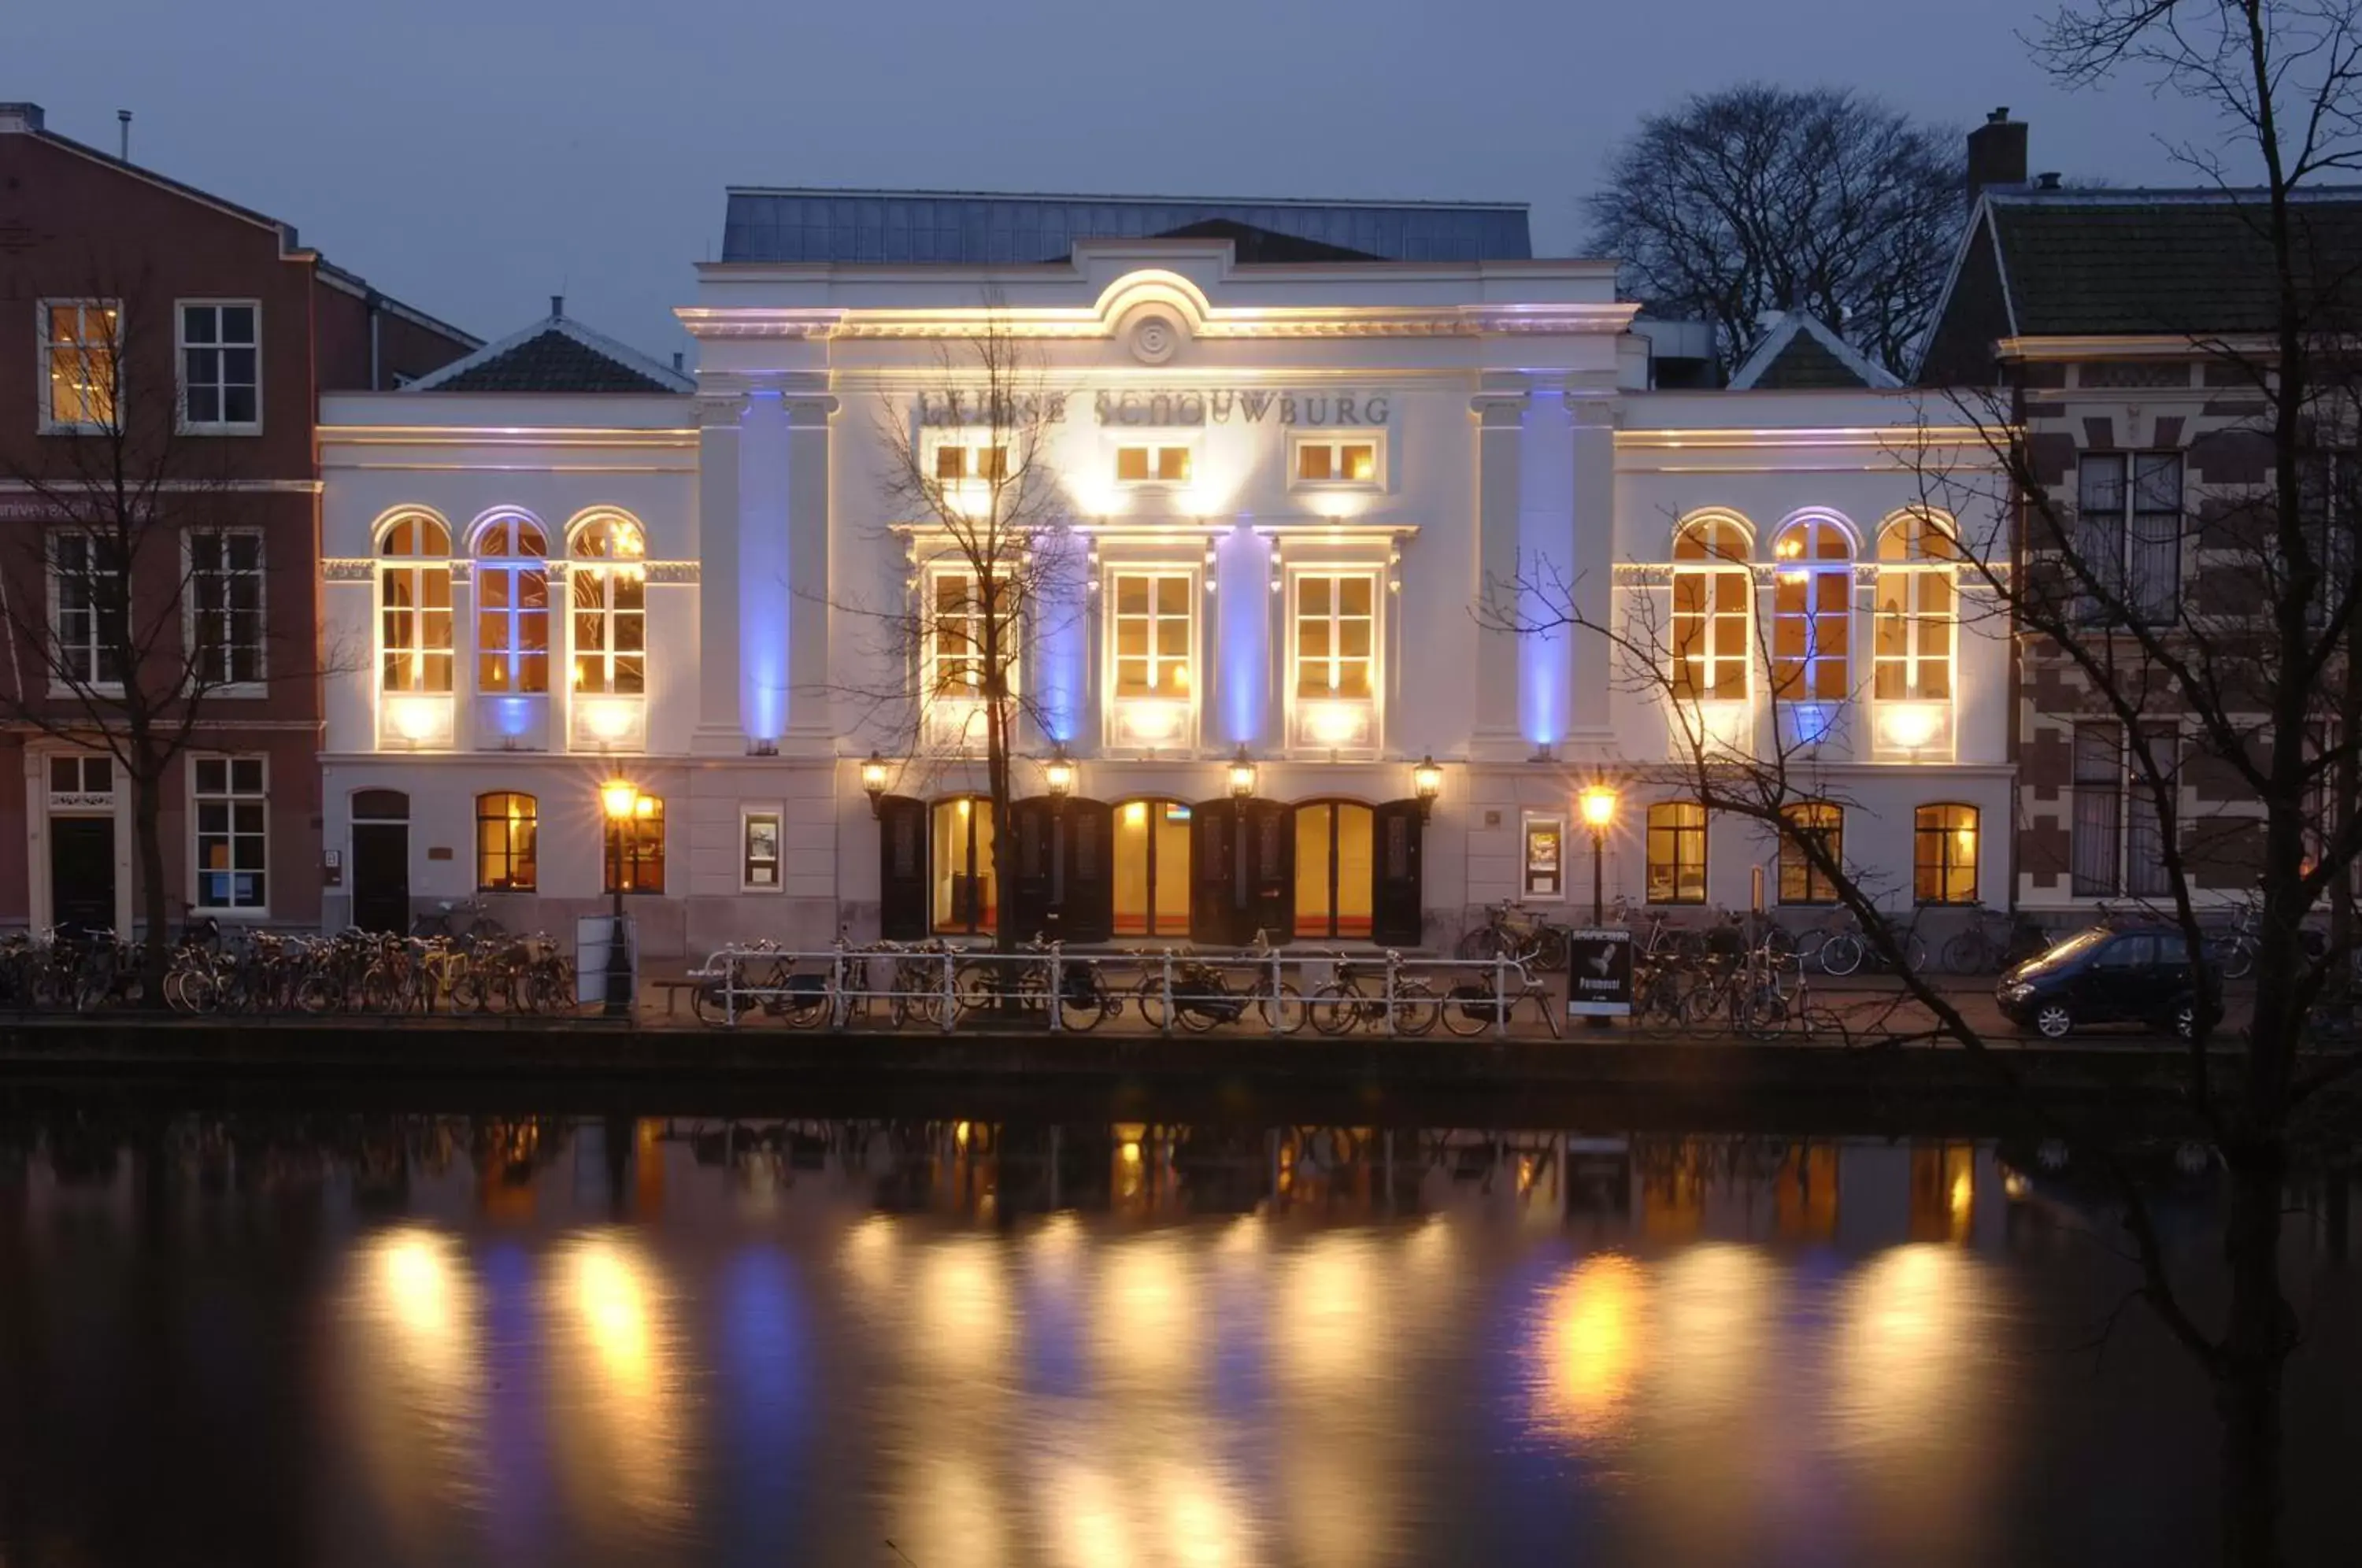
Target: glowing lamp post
<point>873,782</point>
<point>1058,777</point>
<point>621,798</point>
<point>1598,816</point>
<point>1427,783</point>
<point>1243,776</point>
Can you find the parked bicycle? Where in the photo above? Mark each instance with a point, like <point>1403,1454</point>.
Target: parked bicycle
<point>1473,1006</point>
<point>1851,947</point>
<point>1993,940</point>
<point>1512,932</point>
<point>1358,1000</point>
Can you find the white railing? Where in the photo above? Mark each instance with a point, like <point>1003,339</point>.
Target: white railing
<point>1277,990</point>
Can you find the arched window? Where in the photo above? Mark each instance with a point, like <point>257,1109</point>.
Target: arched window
<point>1335,841</point>
<point>511,606</point>
<point>1812,611</point>
<point>960,868</point>
<point>636,848</point>
<point>1912,644</point>
<point>1152,868</point>
<point>1712,590</point>
<point>1801,880</point>
<point>1944,856</point>
<point>609,594</point>
<point>505,832</point>
<point>415,605</point>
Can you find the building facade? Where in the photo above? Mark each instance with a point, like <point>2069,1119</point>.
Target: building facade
<point>167,340</point>
<point>1304,453</point>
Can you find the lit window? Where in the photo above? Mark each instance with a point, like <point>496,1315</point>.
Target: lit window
<point>636,849</point>
<point>225,605</point>
<point>1152,465</point>
<point>1336,634</point>
<point>961,639</point>
<point>512,606</point>
<point>959,461</point>
<point>505,832</point>
<point>1321,461</point>
<point>1152,868</point>
<point>92,589</point>
<point>962,897</point>
<point>1155,612</point>
<point>415,606</point>
<point>1803,879</point>
<point>1911,646</point>
<point>1944,863</point>
<point>233,838</point>
<point>82,348</point>
<point>1677,853</point>
<point>1812,612</point>
<point>611,621</point>
<point>1712,592</point>
<point>221,366</point>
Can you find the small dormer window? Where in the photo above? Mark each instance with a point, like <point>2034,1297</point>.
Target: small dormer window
<point>1328,460</point>
<point>1152,465</point>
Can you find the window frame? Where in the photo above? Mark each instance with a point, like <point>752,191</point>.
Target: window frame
<point>95,682</point>
<point>2126,543</point>
<point>230,797</point>
<point>509,853</point>
<point>636,856</point>
<point>749,814</point>
<point>194,614</point>
<point>1676,834</point>
<point>1711,569</point>
<point>181,350</point>
<point>1809,571</point>
<point>416,567</point>
<point>513,615</point>
<point>1335,440</point>
<point>932,658</point>
<point>51,425</point>
<point>1156,479</point>
<point>610,571</point>
<point>1815,890</point>
<point>1946,864</point>
<point>1154,617</point>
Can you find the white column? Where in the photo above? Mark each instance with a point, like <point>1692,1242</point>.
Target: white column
<point>1500,434</point>
<point>766,569</point>
<point>718,731</point>
<point>1546,561</point>
<point>1592,438</point>
<point>812,706</point>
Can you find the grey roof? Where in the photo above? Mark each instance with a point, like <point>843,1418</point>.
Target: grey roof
<point>1800,352</point>
<point>980,228</point>
<point>555,354</point>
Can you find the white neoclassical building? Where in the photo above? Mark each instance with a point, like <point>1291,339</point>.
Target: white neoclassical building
<point>1296,442</point>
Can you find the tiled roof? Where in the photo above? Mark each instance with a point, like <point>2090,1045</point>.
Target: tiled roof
<point>1800,352</point>
<point>974,228</point>
<point>556,354</point>
<point>2130,262</point>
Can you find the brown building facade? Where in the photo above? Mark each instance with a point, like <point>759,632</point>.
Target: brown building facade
<point>161,357</point>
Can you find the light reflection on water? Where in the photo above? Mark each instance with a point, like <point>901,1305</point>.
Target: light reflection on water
<point>646,1343</point>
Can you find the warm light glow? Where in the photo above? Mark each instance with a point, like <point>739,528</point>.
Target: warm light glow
<point>873,774</point>
<point>1242,775</point>
<point>1135,814</point>
<point>1589,1349</point>
<point>1909,726</point>
<point>1058,776</point>
<point>1427,779</point>
<point>1336,723</point>
<point>417,719</point>
<point>1152,723</point>
<point>621,796</point>
<point>1599,807</point>
<point>608,721</point>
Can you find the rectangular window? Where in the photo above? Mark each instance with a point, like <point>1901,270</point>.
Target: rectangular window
<point>959,641</point>
<point>90,588</point>
<point>233,837</point>
<point>1801,879</point>
<point>1352,460</point>
<point>1811,634</point>
<point>2094,840</point>
<point>1912,641</point>
<point>1677,853</point>
<point>82,352</point>
<point>636,849</point>
<point>1154,617</point>
<point>759,871</point>
<point>1152,465</point>
<point>2327,494</point>
<point>1711,607</point>
<point>507,831</point>
<point>221,365</point>
<point>414,625</point>
<point>1944,859</point>
<point>2144,869</point>
<point>2128,527</point>
<point>1336,634</point>
<point>611,629</point>
<point>959,461</point>
<point>225,605</point>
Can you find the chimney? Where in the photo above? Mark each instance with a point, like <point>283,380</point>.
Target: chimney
<point>18,118</point>
<point>1996,153</point>
<point>557,305</point>
<point>2047,182</point>
<point>123,118</point>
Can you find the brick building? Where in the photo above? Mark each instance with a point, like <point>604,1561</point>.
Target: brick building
<point>156,336</point>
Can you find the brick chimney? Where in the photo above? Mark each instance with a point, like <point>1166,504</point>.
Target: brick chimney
<point>1996,153</point>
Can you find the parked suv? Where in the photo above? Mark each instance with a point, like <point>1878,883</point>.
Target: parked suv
<point>2111,974</point>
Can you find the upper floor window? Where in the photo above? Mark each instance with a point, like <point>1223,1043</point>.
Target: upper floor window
<point>1713,593</point>
<point>89,590</point>
<point>1803,876</point>
<point>962,642</point>
<point>1911,639</point>
<point>2326,488</point>
<point>960,460</point>
<point>225,605</point>
<point>82,352</point>
<point>221,365</point>
<point>1152,465</point>
<point>512,606</point>
<point>2128,531</point>
<point>1812,611</point>
<point>1321,460</point>
<point>611,607</point>
<point>1154,616</point>
<point>1336,634</point>
<point>415,605</point>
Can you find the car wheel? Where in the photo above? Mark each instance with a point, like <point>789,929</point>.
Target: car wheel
<point>2053,1022</point>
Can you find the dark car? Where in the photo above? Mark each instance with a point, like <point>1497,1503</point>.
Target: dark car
<point>2111,974</point>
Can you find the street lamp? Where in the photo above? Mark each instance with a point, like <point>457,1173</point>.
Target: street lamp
<point>621,798</point>
<point>1598,816</point>
<point>1243,776</point>
<point>873,781</point>
<point>1058,777</point>
<point>1427,783</point>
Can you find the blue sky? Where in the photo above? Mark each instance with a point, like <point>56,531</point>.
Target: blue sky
<point>477,156</point>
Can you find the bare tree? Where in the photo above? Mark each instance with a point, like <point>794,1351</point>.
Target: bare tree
<point>994,571</point>
<point>131,598</point>
<point>1758,198</point>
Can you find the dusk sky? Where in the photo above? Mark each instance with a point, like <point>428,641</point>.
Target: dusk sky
<point>474,157</point>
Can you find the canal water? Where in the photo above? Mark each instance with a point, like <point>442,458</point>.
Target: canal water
<point>514,1341</point>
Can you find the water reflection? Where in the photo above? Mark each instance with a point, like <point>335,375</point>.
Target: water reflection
<point>1138,1342</point>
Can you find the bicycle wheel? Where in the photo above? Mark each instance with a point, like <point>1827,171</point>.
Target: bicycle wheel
<point>972,987</point>
<point>1415,1007</point>
<point>1149,997</point>
<point>1968,952</point>
<point>1841,954</point>
<point>1470,1010</point>
<point>1551,951</point>
<point>1915,952</point>
<point>1335,1009</point>
<point>2238,959</point>
<point>1780,943</point>
<point>1483,942</point>
<point>1201,1014</point>
<point>1283,1008</point>
<point>1081,1008</point>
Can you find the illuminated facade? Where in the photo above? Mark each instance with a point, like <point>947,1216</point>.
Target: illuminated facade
<point>1290,463</point>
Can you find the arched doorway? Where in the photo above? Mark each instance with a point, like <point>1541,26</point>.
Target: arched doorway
<point>1335,859</point>
<point>1151,867</point>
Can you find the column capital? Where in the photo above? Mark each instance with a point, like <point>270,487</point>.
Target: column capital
<point>1497,406</point>
<point>807,411</point>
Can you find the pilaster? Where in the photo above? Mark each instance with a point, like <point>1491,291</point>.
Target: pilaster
<point>811,698</point>
<point>1500,438</point>
<point>1592,441</point>
<point>718,731</point>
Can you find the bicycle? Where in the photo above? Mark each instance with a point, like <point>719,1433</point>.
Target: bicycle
<point>1846,951</point>
<point>1342,1005</point>
<point>1512,932</point>
<point>482,928</point>
<point>1979,949</point>
<point>1470,1007</point>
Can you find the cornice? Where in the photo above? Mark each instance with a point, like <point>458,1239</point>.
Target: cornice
<point>1083,322</point>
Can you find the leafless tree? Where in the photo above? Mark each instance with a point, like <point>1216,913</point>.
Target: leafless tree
<point>1758,198</point>
<point>131,598</point>
<point>994,569</point>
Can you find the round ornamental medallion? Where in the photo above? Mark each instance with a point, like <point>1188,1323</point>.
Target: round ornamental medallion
<point>1154,339</point>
